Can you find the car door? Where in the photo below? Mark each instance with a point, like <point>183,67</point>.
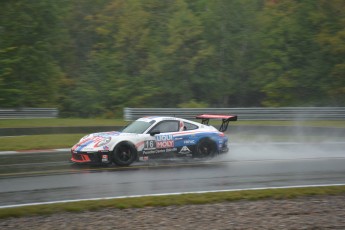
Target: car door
<point>186,138</point>
<point>164,138</point>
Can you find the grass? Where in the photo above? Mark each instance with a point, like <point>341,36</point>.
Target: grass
<point>52,141</point>
<point>170,200</point>
<point>30,142</point>
<point>58,122</point>
<point>63,122</point>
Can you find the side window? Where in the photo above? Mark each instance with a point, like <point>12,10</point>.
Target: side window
<point>166,127</point>
<point>190,126</point>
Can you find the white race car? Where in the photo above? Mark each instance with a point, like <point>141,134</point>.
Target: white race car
<point>154,137</point>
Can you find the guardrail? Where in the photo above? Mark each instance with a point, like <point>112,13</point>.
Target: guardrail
<point>282,113</point>
<point>28,113</point>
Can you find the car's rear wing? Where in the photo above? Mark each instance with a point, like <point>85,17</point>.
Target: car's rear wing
<point>205,118</point>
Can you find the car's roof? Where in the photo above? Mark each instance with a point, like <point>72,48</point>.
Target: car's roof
<point>162,118</point>
<point>159,118</point>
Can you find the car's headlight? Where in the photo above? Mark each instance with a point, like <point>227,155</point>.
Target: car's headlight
<point>103,142</point>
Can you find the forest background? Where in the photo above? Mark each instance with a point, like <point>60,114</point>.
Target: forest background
<point>92,58</point>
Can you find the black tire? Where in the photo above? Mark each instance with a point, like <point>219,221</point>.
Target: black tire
<point>124,154</point>
<point>206,148</point>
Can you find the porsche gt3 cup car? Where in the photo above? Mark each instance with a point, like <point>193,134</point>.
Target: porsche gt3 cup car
<point>154,137</point>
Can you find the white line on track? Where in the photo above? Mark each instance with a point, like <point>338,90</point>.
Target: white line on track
<point>166,194</point>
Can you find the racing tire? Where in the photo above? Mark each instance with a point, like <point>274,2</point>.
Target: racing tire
<point>124,154</point>
<point>206,148</point>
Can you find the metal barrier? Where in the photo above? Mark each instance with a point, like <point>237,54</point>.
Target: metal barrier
<point>28,113</point>
<point>282,113</point>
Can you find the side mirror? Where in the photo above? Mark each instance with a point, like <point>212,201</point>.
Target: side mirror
<point>154,133</point>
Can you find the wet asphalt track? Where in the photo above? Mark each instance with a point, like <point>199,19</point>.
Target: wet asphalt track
<point>42,177</point>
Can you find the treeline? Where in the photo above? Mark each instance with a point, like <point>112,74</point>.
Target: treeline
<point>94,57</point>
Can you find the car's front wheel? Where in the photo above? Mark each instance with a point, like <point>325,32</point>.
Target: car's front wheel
<point>124,154</point>
<point>206,148</point>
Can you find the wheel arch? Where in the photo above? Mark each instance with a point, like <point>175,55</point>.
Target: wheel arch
<point>124,142</point>
<point>208,141</point>
<point>214,142</point>
<point>128,143</point>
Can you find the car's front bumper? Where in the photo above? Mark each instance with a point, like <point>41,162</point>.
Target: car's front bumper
<point>90,157</point>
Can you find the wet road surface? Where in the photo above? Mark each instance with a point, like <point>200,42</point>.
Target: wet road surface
<point>41,177</point>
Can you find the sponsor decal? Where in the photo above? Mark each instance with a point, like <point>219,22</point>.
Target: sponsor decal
<point>102,141</point>
<point>171,150</point>
<point>105,158</point>
<point>164,137</point>
<point>144,158</point>
<point>147,152</point>
<point>158,151</point>
<point>189,142</point>
<point>164,141</point>
<point>106,148</point>
<point>165,144</point>
<point>184,149</point>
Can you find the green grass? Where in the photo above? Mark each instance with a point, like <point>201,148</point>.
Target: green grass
<point>67,140</point>
<point>39,141</point>
<point>169,200</point>
<point>58,122</point>
<point>52,141</point>
<point>63,122</point>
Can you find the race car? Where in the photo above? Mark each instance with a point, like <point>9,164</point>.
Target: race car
<point>154,137</point>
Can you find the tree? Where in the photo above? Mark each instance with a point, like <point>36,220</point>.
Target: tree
<point>331,38</point>
<point>294,67</point>
<point>231,29</point>
<point>94,57</point>
<point>184,52</point>
<point>77,94</point>
<point>29,71</point>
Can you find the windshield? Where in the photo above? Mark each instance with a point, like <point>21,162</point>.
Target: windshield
<point>137,127</point>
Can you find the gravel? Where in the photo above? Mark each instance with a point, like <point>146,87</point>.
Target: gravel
<point>315,212</point>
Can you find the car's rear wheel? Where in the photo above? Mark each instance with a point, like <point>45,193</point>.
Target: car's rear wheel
<point>124,154</point>
<point>206,148</point>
